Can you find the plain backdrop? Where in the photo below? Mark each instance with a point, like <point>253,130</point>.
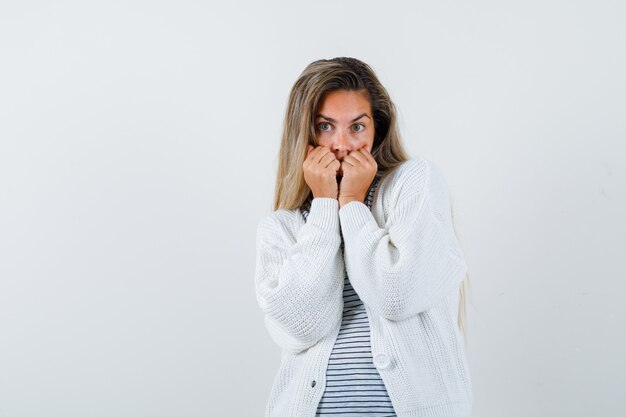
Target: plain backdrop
<point>138,149</point>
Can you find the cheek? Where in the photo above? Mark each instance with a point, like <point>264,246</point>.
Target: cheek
<point>369,142</point>
<point>323,140</point>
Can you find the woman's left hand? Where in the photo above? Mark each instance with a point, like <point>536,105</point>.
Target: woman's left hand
<point>359,169</point>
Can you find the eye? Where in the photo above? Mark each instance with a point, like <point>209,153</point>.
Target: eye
<point>358,127</point>
<point>324,126</point>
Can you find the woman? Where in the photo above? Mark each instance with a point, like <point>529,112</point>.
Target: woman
<point>358,269</point>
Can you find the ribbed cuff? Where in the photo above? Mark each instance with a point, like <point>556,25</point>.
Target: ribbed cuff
<point>324,213</point>
<point>353,216</point>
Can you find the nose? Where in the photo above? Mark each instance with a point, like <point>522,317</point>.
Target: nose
<point>341,147</point>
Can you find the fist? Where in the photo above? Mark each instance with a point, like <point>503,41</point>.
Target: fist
<point>320,171</point>
<point>359,169</point>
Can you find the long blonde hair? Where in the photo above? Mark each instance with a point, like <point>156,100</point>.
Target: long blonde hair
<point>318,78</point>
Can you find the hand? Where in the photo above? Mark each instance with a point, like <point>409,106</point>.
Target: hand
<point>359,169</point>
<point>320,171</point>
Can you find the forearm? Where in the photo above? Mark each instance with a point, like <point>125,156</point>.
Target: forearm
<point>299,282</point>
<point>406,266</point>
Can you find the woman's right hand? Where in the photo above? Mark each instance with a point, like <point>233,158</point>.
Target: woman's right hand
<point>320,172</point>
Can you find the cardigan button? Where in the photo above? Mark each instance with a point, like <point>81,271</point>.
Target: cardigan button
<point>381,361</point>
<point>313,383</point>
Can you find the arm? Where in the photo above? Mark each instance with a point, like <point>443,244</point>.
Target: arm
<point>415,260</point>
<point>299,283</point>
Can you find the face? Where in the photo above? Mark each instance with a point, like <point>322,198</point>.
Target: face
<point>344,122</point>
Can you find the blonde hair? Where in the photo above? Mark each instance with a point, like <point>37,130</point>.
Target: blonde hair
<point>307,94</point>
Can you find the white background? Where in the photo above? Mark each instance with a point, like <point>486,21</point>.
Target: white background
<point>138,151</point>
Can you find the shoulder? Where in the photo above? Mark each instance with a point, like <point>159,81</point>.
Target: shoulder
<point>416,175</point>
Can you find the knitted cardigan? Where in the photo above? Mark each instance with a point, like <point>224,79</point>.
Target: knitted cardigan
<point>405,263</point>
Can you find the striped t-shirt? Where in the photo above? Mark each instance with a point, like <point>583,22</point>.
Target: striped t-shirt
<point>353,385</point>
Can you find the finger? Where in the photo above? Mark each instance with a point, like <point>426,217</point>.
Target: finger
<point>367,153</point>
<point>351,159</point>
<point>366,156</point>
<point>328,159</point>
<point>347,165</point>
<point>317,154</point>
<point>357,156</point>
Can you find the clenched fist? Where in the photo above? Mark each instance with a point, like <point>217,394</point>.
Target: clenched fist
<point>320,172</point>
<point>359,169</point>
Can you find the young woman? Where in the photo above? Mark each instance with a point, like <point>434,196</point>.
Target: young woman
<point>358,268</point>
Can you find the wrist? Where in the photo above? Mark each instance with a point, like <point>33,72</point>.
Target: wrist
<point>346,200</point>
<point>325,196</point>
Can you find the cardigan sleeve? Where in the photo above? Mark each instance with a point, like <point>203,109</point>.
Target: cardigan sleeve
<point>299,280</point>
<point>407,266</point>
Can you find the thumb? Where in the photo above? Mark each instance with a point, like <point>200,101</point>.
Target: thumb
<point>309,149</point>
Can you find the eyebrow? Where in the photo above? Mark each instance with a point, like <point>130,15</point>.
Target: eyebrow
<point>330,119</point>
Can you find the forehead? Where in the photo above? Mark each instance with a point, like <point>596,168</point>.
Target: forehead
<point>345,102</point>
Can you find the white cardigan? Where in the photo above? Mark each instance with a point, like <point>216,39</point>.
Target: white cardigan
<point>404,261</point>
